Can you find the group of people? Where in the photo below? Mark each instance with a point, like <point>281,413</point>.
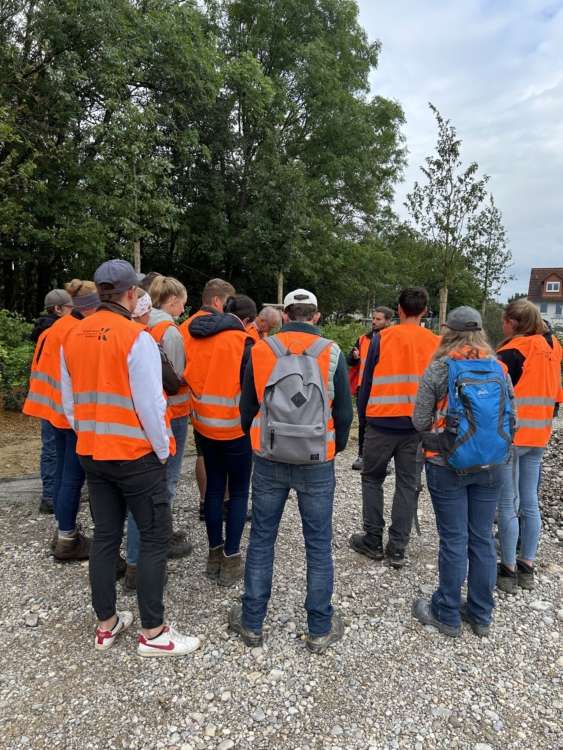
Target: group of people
<point>116,378</point>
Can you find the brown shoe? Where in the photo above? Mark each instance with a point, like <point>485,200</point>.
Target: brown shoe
<point>179,546</point>
<point>214,562</point>
<point>54,540</point>
<point>73,548</point>
<point>130,580</point>
<point>232,569</point>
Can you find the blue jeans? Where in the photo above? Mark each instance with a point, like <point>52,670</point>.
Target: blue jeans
<point>465,506</point>
<point>518,505</point>
<point>179,428</point>
<point>69,478</point>
<point>314,485</point>
<point>48,462</point>
<point>226,461</point>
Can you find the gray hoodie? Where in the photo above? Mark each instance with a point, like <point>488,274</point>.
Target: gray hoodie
<point>172,341</point>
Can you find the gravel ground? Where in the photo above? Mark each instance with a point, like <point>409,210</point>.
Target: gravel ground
<point>389,684</point>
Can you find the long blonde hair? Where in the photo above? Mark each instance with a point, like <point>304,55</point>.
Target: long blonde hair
<point>527,318</point>
<point>468,344</point>
<point>164,287</point>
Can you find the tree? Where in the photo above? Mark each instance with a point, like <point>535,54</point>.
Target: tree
<point>490,258</point>
<point>443,208</point>
<point>517,295</point>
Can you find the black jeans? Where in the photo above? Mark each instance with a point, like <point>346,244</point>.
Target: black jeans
<point>227,463</point>
<point>379,447</point>
<point>140,487</point>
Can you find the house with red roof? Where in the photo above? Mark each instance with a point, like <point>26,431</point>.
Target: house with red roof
<point>546,291</point>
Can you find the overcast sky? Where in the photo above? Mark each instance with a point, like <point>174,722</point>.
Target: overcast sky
<point>495,68</point>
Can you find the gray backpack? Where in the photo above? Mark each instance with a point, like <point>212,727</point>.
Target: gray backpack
<point>295,411</point>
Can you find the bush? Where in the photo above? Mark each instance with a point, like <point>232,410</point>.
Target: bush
<point>345,334</point>
<point>16,353</point>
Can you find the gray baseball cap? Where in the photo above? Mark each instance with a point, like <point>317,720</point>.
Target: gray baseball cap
<point>120,274</point>
<point>57,297</point>
<point>464,319</point>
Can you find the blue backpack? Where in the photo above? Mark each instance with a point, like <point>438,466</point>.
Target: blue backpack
<point>480,419</point>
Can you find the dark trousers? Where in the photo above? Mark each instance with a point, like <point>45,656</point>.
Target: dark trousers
<point>69,479</point>
<point>379,448</point>
<point>226,461</point>
<point>140,487</point>
<point>465,508</point>
<point>361,434</point>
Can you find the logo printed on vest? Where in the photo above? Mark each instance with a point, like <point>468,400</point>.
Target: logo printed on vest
<point>102,334</point>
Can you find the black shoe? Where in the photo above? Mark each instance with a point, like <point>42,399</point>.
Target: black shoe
<point>318,644</point>
<point>422,610</point>
<point>396,557</point>
<point>479,629</point>
<point>46,505</point>
<point>361,544</point>
<point>179,546</point>
<point>130,580</point>
<point>121,567</point>
<point>525,576</point>
<point>507,580</point>
<point>252,638</point>
<point>358,464</point>
<point>201,510</point>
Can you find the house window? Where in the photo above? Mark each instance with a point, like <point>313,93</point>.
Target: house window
<point>558,309</point>
<point>543,307</point>
<point>552,286</point>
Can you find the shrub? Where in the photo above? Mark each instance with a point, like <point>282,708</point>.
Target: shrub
<point>345,334</point>
<point>16,353</point>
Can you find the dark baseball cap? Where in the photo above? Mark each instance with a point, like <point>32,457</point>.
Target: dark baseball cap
<point>119,274</point>
<point>464,319</point>
<point>57,297</point>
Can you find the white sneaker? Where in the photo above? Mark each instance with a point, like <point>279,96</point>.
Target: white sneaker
<point>105,638</point>
<point>169,643</point>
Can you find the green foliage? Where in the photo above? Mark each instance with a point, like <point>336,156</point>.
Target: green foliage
<point>14,329</point>
<point>16,353</point>
<point>345,334</point>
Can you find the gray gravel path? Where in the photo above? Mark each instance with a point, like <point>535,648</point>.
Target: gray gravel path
<point>390,684</point>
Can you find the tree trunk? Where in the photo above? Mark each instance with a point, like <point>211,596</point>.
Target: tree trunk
<point>137,255</point>
<point>443,304</point>
<point>483,307</point>
<point>280,287</point>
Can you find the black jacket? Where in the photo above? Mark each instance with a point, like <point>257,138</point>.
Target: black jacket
<point>205,326</point>
<point>342,411</point>
<point>41,324</point>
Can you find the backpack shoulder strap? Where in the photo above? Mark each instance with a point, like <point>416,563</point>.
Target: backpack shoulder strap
<point>315,350</point>
<point>317,347</point>
<point>276,346</point>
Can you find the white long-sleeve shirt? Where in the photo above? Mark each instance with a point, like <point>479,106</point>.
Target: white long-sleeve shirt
<point>145,381</point>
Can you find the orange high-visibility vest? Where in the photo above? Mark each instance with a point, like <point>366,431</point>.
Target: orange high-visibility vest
<point>44,398</point>
<point>179,403</point>
<point>184,330</point>
<point>404,353</point>
<point>213,375</point>
<point>263,363</point>
<point>253,332</point>
<point>537,390</point>
<point>105,419</point>
<point>365,343</point>
<point>558,353</point>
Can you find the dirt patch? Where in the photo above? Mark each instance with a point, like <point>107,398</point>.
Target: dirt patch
<point>20,444</point>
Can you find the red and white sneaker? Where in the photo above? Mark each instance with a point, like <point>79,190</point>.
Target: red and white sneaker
<point>105,638</point>
<point>169,643</point>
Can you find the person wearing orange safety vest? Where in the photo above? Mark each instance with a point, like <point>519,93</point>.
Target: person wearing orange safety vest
<point>111,377</point>
<point>218,355</point>
<point>214,296</point>
<point>310,475</point>
<point>44,401</point>
<point>396,360</point>
<point>267,319</point>
<point>381,318</point>
<point>534,364</point>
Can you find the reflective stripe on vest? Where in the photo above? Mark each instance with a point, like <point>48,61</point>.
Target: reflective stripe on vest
<point>387,379</point>
<point>38,398</point>
<point>392,399</point>
<point>179,403</point>
<point>535,401</point>
<point>215,421</point>
<point>43,378</point>
<point>104,399</point>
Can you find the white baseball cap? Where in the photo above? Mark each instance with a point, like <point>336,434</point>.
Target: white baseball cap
<point>299,297</point>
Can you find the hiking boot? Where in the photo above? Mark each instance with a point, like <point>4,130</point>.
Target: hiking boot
<point>360,543</point>
<point>507,580</point>
<point>396,557</point>
<point>201,510</point>
<point>422,610</point>
<point>179,546</point>
<point>318,644</point>
<point>130,579</point>
<point>358,464</point>
<point>54,540</point>
<point>169,642</point>
<point>232,569</point>
<point>106,638</point>
<point>525,576</point>
<point>214,559</point>
<point>252,638</point>
<point>72,548</point>
<point>478,628</point>
<point>46,505</point>
<point>120,568</point>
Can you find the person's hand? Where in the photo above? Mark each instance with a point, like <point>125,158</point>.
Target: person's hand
<point>355,353</point>
<point>163,460</point>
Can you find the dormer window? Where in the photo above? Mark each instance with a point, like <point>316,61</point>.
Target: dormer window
<point>553,286</point>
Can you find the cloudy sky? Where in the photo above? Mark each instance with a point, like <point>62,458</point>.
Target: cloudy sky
<point>495,68</point>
